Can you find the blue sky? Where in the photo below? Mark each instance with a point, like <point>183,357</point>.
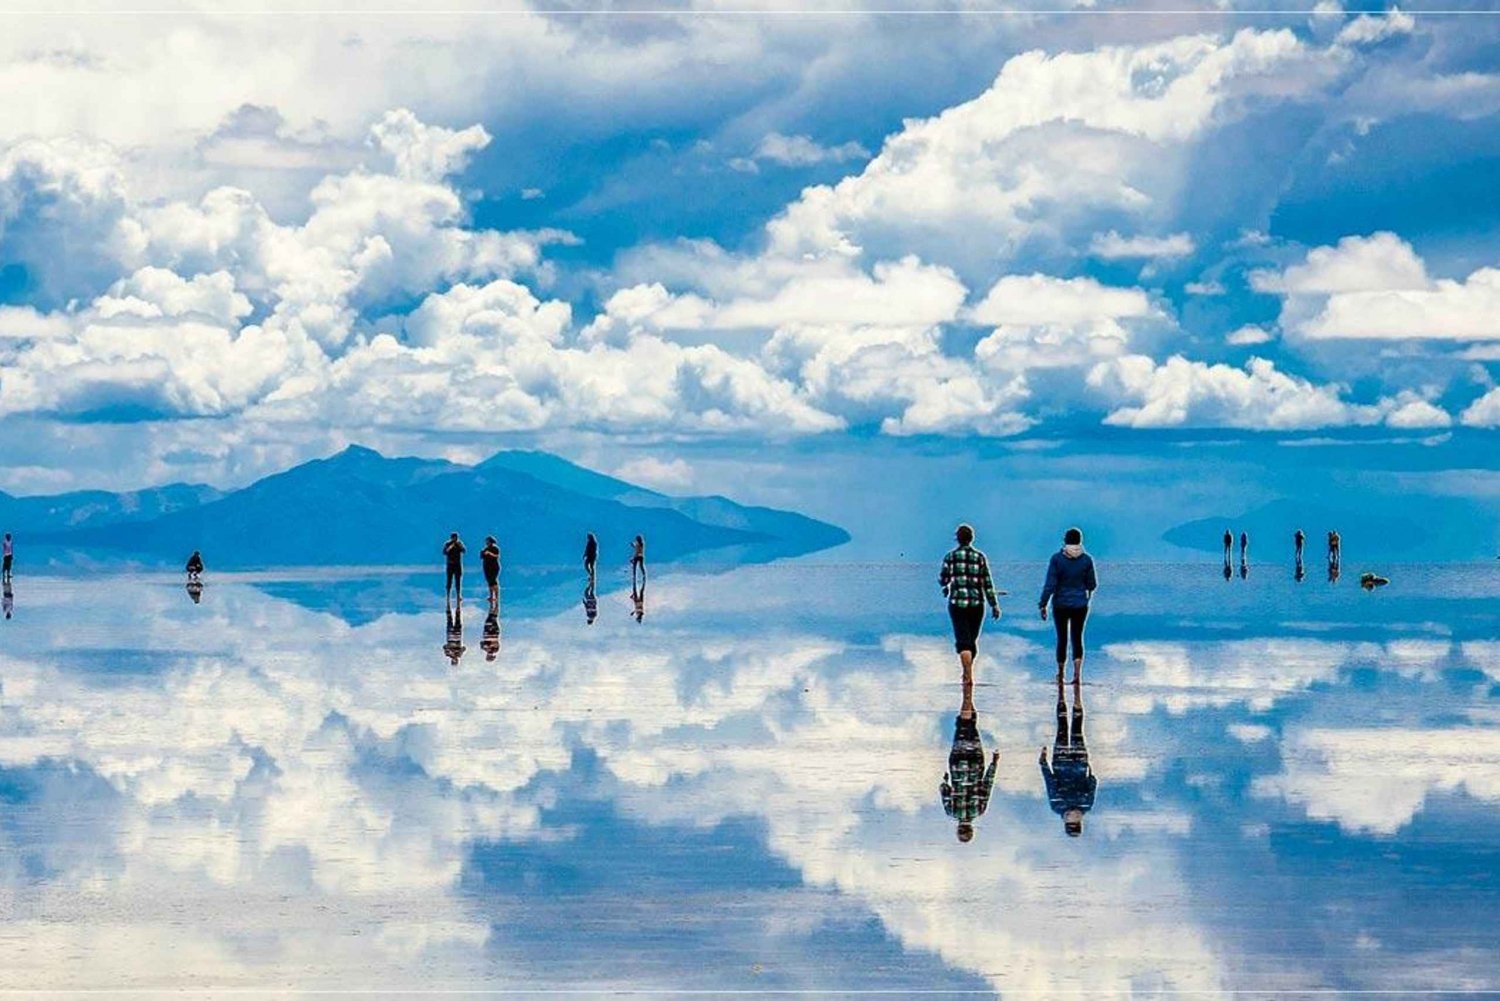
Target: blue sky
<point>230,243</point>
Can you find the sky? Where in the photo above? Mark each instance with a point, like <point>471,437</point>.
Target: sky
<point>232,241</point>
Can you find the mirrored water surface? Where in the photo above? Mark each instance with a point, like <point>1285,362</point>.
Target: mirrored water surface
<point>743,780</point>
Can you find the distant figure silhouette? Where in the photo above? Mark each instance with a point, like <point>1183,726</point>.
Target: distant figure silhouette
<point>590,603</point>
<point>9,601</point>
<point>637,559</point>
<point>195,590</point>
<point>1370,581</point>
<point>1300,574</point>
<point>490,644</point>
<point>638,597</point>
<point>1335,553</point>
<point>1228,569</point>
<point>1299,540</point>
<point>453,643</point>
<point>965,579</point>
<point>1070,585</point>
<point>7,557</point>
<point>453,552</point>
<point>590,555</point>
<point>1228,545</point>
<point>966,786</point>
<point>195,565</point>
<point>1333,572</point>
<point>1244,548</point>
<point>489,561</point>
<point>1070,783</point>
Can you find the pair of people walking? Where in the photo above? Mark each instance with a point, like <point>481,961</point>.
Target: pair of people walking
<point>1069,586</point>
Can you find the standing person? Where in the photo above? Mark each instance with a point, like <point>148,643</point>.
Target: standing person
<point>195,565</point>
<point>453,552</point>
<point>590,555</point>
<point>1228,546</point>
<point>965,579</point>
<point>489,561</point>
<point>637,560</point>
<point>1335,556</point>
<point>7,555</point>
<point>966,787</point>
<point>1244,548</point>
<point>1299,540</point>
<point>1070,585</point>
<point>1070,782</point>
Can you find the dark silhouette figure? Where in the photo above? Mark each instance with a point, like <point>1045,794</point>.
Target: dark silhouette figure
<point>965,579</point>
<point>9,600</point>
<point>1333,572</point>
<point>590,555</point>
<point>1228,545</point>
<point>1228,569</point>
<point>1244,570</point>
<point>489,562</point>
<point>453,642</point>
<point>967,784</point>
<point>638,561</point>
<point>7,557</point>
<point>453,553</point>
<point>1335,554</point>
<point>1070,585</point>
<point>1300,574</point>
<point>1370,581</point>
<point>490,643</point>
<point>195,590</point>
<point>1070,782</point>
<point>590,603</point>
<point>1299,540</point>
<point>1244,548</point>
<point>195,565</point>
<point>638,598</point>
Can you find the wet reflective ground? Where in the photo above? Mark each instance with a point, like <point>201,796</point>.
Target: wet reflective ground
<point>734,781</point>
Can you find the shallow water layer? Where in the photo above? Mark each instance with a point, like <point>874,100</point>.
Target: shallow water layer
<point>732,782</point>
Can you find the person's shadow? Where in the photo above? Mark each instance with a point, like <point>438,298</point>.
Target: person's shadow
<point>490,643</point>
<point>1069,780</point>
<point>966,786</point>
<point>453,644</point>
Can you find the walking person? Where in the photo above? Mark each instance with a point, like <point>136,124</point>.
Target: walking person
<point>966,580</point>
<point>966,787</point>
<point>1070,782</point>
<point>453,553</point>
<point>1335,554</point>
<point>638,561</point>
<point>194,565</point>
<point>489,561</point>
<point>7,556</point>
<point>590,555</point>
<point>1070,585</point>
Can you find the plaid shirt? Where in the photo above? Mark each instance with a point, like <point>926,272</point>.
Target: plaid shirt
<point>966,792</point>
<point>966,578</point>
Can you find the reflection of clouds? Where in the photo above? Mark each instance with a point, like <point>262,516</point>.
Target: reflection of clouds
<point>1377,779</point>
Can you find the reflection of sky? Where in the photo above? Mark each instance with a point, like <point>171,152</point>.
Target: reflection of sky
<point>1297,787</point>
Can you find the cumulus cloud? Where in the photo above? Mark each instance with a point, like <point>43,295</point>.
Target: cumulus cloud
<point>1248,334</point>
<point>1483,412</point>
<point>1370,29</point>
<point>801,151</point>
<point>1409,410</point>
<point>1377,288</point>
<point>1112,246</point>
<point>1041,321</point>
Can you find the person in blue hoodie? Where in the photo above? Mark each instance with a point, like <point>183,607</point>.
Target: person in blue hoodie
<point>1071,582</point>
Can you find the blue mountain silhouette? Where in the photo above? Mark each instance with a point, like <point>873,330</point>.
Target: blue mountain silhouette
<point>359,508</point>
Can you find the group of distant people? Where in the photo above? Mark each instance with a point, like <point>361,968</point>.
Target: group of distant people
<point>1067,591</point>
<point>1299,547</point>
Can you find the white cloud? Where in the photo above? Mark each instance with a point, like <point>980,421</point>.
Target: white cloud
<point>1409,411</point>
<point>1369,29</point>
<point>1483,412</point>
<point>1248,334</point>
<point>1112,246</point>
<point>1041,321</point>
<point>1376,287</point>
<point>1184,393</point>
<point>801,151</point>
<point>424,152</point>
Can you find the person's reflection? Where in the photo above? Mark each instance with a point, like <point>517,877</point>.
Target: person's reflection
<point>490,644</point>
<point>590,603</point>
<point>1228,569</point>
<point>9,601</point>
<point>1333,573</point>
<point>195,590</point>
<point>453,646</point>
<point>1244,570</point>
<point>1070,782</point>
<point>1301,572</point>
<point>638,596</point>
<point>966,786</point>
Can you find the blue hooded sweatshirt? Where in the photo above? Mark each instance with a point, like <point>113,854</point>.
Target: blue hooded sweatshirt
<point>1070,579</point>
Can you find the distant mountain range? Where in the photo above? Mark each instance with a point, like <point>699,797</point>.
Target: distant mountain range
<point>1444,530</point>
<point>359,508</point>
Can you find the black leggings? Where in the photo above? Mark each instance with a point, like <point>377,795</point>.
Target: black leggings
<point>1069,623</point>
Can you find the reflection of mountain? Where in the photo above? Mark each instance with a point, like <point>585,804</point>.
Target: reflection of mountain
<point>360,508</point>
<point>1446,529</point>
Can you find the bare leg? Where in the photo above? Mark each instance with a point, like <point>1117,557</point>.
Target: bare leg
<point>966,661</point>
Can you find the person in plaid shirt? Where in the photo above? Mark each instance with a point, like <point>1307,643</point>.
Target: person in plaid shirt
<point>966,787</point>
<point>966,581</point>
